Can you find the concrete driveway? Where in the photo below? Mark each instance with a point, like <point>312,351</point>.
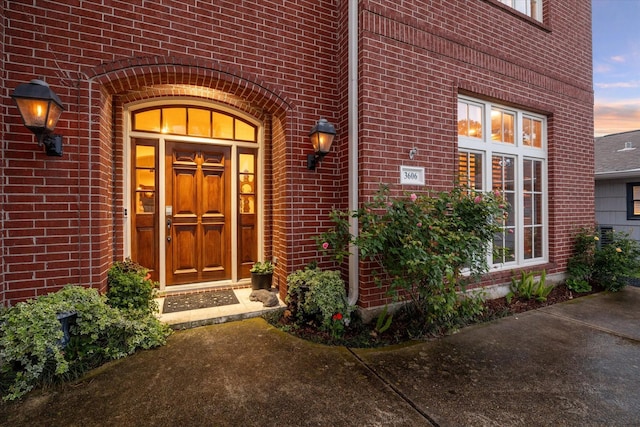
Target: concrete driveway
<point>571,364</point>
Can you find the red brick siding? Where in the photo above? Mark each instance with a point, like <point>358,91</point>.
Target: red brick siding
<point>418,56</point>
<point>270,58</point>
<point>284,62</point>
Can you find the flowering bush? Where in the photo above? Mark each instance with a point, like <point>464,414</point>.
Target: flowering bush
<point>319,298</point>
<point>608,265</point>
<point>422,243</point>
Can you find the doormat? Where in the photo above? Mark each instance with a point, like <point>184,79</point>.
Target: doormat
<point>198,300</point>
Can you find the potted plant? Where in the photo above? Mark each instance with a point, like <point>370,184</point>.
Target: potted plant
<point>261,275</point>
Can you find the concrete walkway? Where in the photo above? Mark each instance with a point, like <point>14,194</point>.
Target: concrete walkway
<point>572,364</point>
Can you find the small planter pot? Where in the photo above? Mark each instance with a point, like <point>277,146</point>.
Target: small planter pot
<point>261,281</point>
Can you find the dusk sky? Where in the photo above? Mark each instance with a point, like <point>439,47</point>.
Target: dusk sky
<point>616,65</point>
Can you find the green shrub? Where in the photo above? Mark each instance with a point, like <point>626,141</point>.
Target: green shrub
<point>616,261</point>
<point>31,351</point>
<point>528,288</point>
<point>319,298</point>
<point>581,265</point>
<point>130,288</point>
<point>608,265</point>
<point>422,243</point>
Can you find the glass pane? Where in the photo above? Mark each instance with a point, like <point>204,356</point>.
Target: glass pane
<point>199,122</point>
<point>537,174</point>
<point>470,170</point>
<point>526,131</point>
<point>476,171</point>
<point>528,209</point>
<point>496,125</point>
<point>532,132</point>
<point>510,172</point>
<point>146,201</point>
<point>504,247</point>
<point>528,243</point>
<point>508,130</point>
<point>145,179</point>
<point>174,121</point>
<point>537,209</point>
<point>469,120</point>
<point>498,248</point>
<point>537,134</point>
<point>502,126</point>
<point>147,121</point>
<point>636,192</point>
<point>246,163</point>
<point>475,121</point>
<point>54,116</point>
<point>527,175</point>
<point>537,242</point>
<point>247,205</point>
<point>463,169</point>
<point>245,131</point>
<point>145,156</point>
<point>503,173</point>
<point>246,184</point>
<point>511,199</point>
<point>636,207</point>
<point>222,126</point>
<point>510,246</point>
<point>463,117</point>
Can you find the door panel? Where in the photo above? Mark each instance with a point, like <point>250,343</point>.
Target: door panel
<point>198,188</point>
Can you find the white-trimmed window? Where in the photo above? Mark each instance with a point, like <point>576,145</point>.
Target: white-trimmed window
<point>504,149</point>
<point>532,8</point>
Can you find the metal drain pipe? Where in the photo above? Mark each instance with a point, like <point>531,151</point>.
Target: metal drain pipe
<point>353,145</point>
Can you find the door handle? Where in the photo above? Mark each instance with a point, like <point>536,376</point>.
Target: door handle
<point>168,229</point>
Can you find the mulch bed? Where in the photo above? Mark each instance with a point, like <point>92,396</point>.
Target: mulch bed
<point>559,294</point>
<point>402,329</point>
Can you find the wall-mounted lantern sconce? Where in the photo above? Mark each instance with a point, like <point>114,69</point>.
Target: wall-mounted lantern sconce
<point>321,137</point>
<point>40,110</point>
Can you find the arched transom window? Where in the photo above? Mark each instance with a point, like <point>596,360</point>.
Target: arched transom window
<point>194,121</point>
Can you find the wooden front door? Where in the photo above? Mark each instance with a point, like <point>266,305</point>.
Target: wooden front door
<point>197,213</point>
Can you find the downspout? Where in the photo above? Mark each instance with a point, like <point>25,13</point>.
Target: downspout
<point>353,145</point>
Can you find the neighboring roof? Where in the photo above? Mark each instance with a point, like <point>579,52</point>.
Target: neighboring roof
<point>618,155</point>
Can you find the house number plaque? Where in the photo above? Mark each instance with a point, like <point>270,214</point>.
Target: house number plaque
<point>411,175</point>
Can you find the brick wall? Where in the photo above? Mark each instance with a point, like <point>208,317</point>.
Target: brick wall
<point>284,62</point>
<point>418,56</point>
<point>63,216</point>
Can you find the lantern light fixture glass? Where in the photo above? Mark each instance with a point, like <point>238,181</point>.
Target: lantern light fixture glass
<point>40,109</point>
<point>321,136</point>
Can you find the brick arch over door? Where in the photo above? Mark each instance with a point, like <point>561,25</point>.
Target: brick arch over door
<point>119,83</point>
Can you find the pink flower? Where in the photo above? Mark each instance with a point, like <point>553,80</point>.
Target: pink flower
<point>325,246</point>
<point>389,204</point>
<point>501,206</point>
<point>497,193</point>
<point>337,316</point>
<point>478,199</point>
<point>511,231</point>
<point>413,197</point>
<point>419,224</point>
